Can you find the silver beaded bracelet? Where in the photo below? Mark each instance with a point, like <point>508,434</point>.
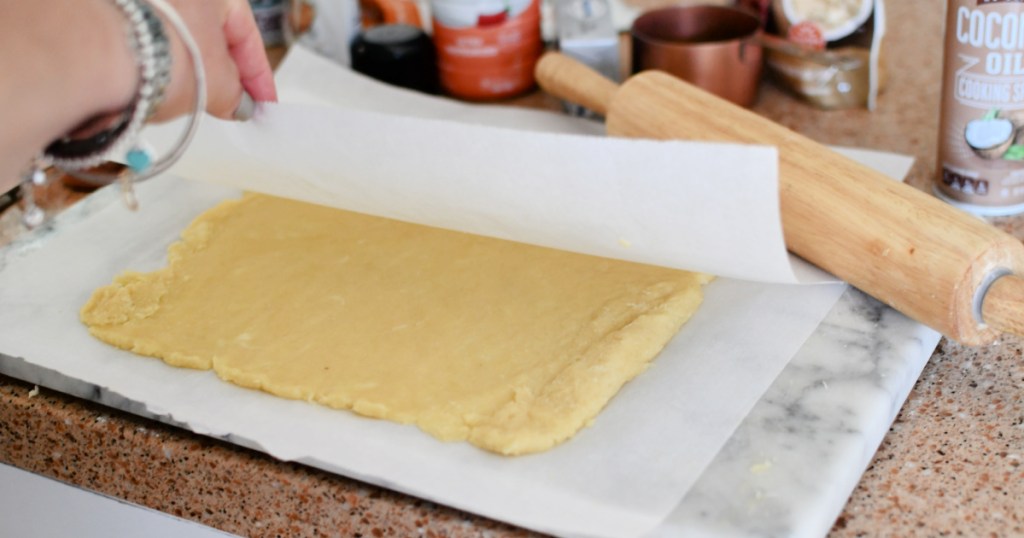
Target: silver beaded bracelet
<point>150,44</point>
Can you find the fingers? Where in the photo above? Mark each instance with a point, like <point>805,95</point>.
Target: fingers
<point>245,109</point>
<point>233,56</point>
<point>246,49</point>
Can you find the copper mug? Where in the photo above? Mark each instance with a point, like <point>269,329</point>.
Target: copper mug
<point>715,48</point>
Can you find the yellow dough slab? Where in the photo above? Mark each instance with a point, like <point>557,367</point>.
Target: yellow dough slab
<point>509,346</point>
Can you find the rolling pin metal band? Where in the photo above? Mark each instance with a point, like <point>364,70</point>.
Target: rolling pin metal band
<point>1002,304</point>
<point>923,257</point>
<point>984,288</point>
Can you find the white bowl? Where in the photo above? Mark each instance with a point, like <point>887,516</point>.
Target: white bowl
<point>835,22</point>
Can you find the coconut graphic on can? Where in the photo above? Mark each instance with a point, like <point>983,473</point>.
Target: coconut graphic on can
<point>992,137</point>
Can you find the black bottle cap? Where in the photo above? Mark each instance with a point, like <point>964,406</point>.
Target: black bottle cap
<point>398,54</point>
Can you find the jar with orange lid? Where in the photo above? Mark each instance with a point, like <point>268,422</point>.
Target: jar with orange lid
<point>486,49</point>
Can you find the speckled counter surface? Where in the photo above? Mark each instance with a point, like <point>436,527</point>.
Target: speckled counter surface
<point>205,480</point>
<point>951,463</point>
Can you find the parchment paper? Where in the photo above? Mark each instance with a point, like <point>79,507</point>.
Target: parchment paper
<point>618,478</point>
<point>615,479</point>
<point>706,207</point>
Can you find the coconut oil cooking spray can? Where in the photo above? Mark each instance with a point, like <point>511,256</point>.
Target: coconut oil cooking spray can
<point>981,144</point>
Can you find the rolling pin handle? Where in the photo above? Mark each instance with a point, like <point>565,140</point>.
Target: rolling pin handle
<point>573,81</point>
<point>1002,307</point>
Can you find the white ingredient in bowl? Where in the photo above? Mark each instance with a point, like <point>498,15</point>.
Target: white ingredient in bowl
<point>829,14</point>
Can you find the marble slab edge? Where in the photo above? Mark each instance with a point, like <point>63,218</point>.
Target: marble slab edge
<point>791,466</point>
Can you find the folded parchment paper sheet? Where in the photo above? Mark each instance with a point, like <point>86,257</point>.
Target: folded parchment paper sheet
<point>618,478</point>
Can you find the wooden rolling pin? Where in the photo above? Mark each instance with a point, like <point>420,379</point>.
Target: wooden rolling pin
<point>928,260</point>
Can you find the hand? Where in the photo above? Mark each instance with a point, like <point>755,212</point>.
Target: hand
<point>233,57</point>
<point>74,63</point>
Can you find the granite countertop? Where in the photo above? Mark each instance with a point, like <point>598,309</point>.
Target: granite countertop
<point>951,463</point>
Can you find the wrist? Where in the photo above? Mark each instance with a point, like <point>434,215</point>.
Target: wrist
<point>94,142</point>
<point>90,143</point>
<point>72,62</point>
<point>110,69</point>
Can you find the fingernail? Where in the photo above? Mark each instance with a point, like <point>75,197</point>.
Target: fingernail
<point>245,108</point>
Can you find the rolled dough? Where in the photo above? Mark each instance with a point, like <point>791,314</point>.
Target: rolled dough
<point>509,346</point>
